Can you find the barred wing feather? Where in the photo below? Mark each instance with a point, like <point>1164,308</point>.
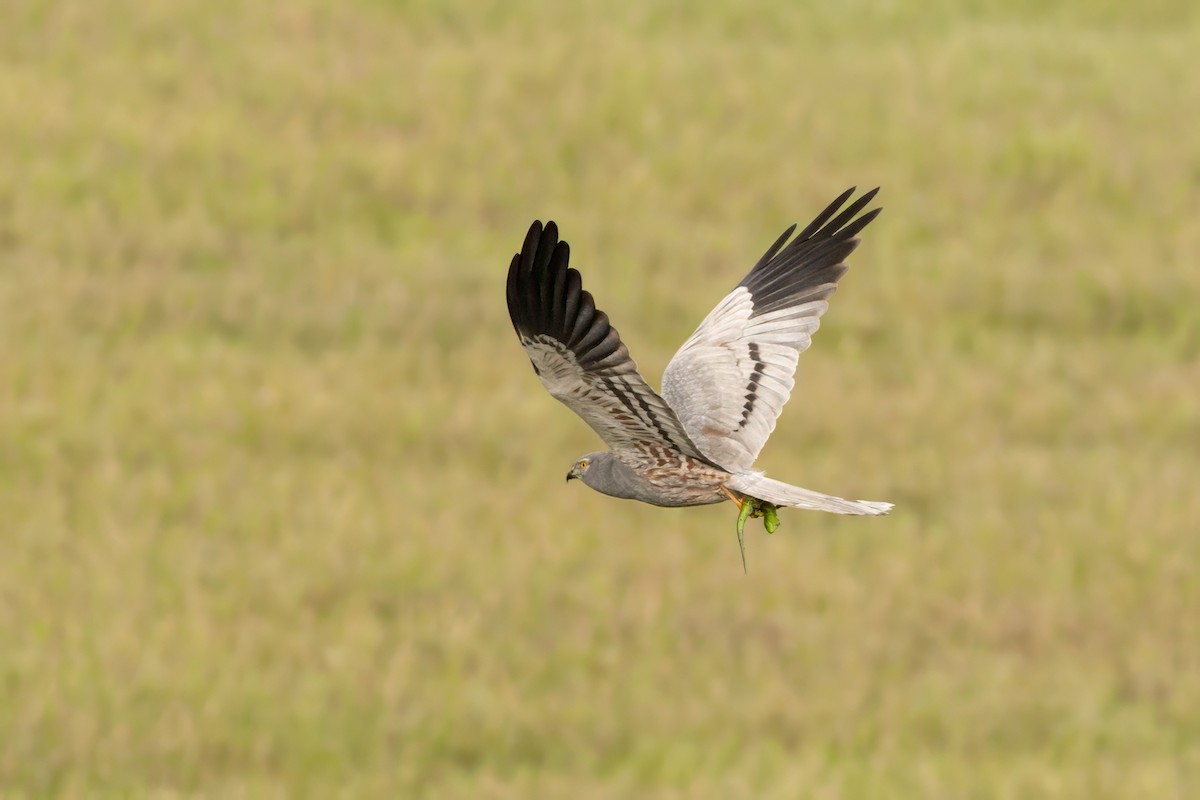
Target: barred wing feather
<point>579,356</point>
<point>731,378</point>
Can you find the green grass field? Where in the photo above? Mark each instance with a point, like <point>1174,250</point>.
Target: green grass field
<point>282,510</point>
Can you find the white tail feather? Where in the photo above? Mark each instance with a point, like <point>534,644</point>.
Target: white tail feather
<point>758,485</point>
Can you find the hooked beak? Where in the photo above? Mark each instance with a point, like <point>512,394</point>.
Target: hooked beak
<point>574,473</point>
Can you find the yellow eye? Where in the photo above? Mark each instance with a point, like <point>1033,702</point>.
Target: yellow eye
<point>582,465</point>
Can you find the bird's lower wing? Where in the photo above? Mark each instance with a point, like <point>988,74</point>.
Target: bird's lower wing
<point>730,380</point>
<point>579,356</point>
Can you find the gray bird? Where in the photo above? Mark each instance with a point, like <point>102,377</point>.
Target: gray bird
<point>722,391</point>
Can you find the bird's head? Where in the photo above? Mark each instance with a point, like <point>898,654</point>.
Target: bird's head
<point>580,468</point>
<point>607,474</point>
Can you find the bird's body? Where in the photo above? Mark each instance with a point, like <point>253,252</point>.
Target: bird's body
<point>660,478</point>
<point>696,443</point>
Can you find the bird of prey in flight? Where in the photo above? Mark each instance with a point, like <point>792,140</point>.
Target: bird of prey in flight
<point>722,391</point>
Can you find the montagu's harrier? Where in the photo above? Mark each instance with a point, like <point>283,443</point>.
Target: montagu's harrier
<point>722,392</point>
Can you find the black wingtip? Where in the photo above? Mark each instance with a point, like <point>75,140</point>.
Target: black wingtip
<point>531,239</point>
<point>814,257</point>
<point>546,297</point>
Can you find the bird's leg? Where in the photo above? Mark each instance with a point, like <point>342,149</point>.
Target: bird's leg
<point>736,500</point>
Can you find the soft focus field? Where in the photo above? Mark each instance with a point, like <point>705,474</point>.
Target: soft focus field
<point>282,510</point>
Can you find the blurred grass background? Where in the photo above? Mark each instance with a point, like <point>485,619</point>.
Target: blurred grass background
<point>281,499</point>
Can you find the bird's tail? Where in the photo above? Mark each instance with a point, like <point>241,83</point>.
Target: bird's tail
<point>758,485</point>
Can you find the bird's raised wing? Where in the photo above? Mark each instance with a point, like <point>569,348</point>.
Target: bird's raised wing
<point>730,380</point>
<point>578,355</point>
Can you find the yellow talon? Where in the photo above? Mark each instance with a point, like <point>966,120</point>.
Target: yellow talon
<point>737,502</point>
